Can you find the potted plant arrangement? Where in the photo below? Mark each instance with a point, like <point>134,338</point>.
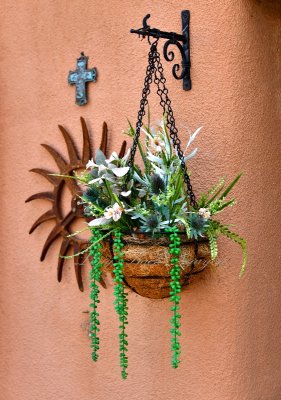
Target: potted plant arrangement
<point>146,219</point>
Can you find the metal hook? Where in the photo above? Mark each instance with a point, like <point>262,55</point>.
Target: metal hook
<point>155,41</point>
<point>144,22</point>
<point>181,41</point>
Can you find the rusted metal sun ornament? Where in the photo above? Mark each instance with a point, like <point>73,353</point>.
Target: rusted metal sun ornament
<point>73,245</point>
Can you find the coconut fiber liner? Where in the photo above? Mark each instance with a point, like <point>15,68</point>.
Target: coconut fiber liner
<point>147,262</point>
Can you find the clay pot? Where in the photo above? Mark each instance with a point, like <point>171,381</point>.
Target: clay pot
<point>147,263</point>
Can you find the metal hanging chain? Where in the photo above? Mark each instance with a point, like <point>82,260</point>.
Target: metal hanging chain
<point>155,70</point>
<point>145,92</point>
<point>165,102</point>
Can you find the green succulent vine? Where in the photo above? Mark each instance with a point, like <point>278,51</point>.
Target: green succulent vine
<point>175,294</point>
<point>95,276</point>
<point>121,299</point>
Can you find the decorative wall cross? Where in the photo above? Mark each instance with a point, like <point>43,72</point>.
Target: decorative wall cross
<point>80,77</point>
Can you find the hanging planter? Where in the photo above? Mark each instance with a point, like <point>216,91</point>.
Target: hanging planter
<point>146,225</point>
<point>147,264</point>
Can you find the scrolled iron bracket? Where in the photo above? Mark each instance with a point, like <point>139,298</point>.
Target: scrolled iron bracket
<point>172,39</point>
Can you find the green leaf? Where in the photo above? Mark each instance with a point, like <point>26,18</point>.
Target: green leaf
<point>100,157</point>
<point>229,188</point>
<point>226,204</point>
<point>224,230</point>
<point>213,244</point>
<point>215,191</point>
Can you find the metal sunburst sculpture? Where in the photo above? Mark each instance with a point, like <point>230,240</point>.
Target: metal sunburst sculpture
<point>62,228</point>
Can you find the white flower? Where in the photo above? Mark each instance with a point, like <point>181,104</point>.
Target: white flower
<point>157,144</point>
<point>91,164</point>
<point>120,171</point>
<point>126,194</point>
<point>108,213</point>
<point>114,212</point>
<point>142,192</point>
<point>113,157</point>
<point>96,180</point>
<point>98,221</point>
<point>204,212</point>
<point>102,167</point>
<point>192,137</point>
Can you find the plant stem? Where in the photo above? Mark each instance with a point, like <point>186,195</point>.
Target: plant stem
<point>174,294</point>
<point>110,193</point>
<point>95,276</point>
<point>120,302</point>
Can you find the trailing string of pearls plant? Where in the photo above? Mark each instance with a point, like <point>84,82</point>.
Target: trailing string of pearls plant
<point>120,302</point>
<point>121,297</point>
<point>95,277</point>
<point>175,294</point>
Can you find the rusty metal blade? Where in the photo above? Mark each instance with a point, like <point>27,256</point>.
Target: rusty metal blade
<point>44,217</point>
<point>46,174</point>
<point>56,156</point>
<point>63,166</point>
<point>63,250</point>
<point>62,224</point>
<point>78,263</point>
<point>56,231</point>
<point>72,152</point>
<point>104,137</point>
<point>54,234</point>
<point>42,195</point>
<point>86,153</point>
<point>123,149</point>
<point>102,282</point>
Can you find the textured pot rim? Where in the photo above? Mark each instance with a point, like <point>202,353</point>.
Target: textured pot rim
<point>161,239</point>
<point>146,235</point>
<point>141,238</point>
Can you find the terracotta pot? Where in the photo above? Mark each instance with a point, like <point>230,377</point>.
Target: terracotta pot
<point>147,263</point>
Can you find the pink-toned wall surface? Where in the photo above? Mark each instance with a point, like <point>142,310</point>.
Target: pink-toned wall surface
<point>230,327</point>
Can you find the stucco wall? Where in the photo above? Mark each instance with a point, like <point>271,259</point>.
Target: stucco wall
<point>231,328</point>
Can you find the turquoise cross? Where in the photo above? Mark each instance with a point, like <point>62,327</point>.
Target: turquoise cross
<point>80,77</point>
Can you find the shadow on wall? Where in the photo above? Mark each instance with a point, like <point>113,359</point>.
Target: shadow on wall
<point>269,7</point>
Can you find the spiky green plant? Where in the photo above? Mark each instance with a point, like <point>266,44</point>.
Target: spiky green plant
<point>150,224</point>
<point>157,184</point>
<point>197,225</point>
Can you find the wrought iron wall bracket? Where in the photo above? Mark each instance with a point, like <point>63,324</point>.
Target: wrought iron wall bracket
<point>180,41</point>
